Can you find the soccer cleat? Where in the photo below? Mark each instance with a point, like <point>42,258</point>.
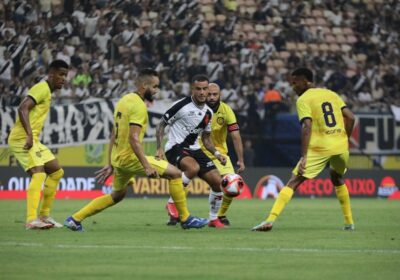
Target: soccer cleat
<point>38,224</point>
<point>216,224</point>
<point>172,211</point>
<point>50,220</point>
<point>350,227</point>
<point>264,226</point>
<point>172,221</point>
<point>194,222</point>
<point>72,224</point>
<point>224,220</point>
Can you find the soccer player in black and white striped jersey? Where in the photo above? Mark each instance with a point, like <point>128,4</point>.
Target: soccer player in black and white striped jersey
<point>189,119</point>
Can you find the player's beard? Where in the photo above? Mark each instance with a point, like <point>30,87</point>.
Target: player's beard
<point>148,96</point>
<point>213,105</point>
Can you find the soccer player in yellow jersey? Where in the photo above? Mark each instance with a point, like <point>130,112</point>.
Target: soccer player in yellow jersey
<point>34,157</point>
<point>223,122</point>
<point>127,158</point>
<point>326,126</point>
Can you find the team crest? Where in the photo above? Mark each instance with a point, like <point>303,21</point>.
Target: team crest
<point>220,120</point>
<point>39,154</point>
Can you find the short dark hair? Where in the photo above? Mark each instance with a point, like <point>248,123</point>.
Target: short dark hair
<point>305,72</point>
<point>199,78</point>
<point>57,64</point>
<point>147,72</point>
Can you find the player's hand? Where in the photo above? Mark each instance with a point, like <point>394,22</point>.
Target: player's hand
<point>160,154</point>
<point>241,166</point>
<point>222,159</point>
<point>302,165</point>
<point>151,172</point>
<point>29,142</point>
<point>104,173</point>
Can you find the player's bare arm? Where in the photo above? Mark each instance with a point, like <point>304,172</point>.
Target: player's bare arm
<point>137,148</point>
<point>238,145</point>
<point>209,145</point>
<point>160,130</point>
<point>305,140</point>
<point>106,171</point>
<point>349,121</point>
<point>23,112</point>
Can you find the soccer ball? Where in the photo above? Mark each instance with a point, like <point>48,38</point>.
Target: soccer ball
<point>232,184</point>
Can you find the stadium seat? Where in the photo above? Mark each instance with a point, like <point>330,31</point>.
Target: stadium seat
<point>284,55</point>
<point>334,47</point>
<point>351,39</point>
<point>221,18</point>
<point>206,9</point>
<point>345,47</point>
<point>323,47</point>
<point>337,31</point>
<point>290,46</point>
<point>301,47</point>
<point>310,21</point>
<point>210,18</point>
<point>330,39</point>
<point>317,13</point>
<point>321,21</point>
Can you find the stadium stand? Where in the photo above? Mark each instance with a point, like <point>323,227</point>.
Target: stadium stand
<point>352,45</point>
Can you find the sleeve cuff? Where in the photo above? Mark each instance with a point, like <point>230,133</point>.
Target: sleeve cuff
<point>305,118</point>
<point>33,98</point>
<point>135,124</point>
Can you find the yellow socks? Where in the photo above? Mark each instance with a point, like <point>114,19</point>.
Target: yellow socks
<point>283,198</point>
<point>49,191</point>
<point>95,206</point>
<point>33,195</point>
<point>343,196</point>
<point>226,202</point>
<point>178,194</point>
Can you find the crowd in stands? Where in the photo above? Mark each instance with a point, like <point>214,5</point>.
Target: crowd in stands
<point>248,47</point>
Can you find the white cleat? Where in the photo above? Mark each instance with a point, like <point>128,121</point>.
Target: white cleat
<point>264,226</point>
<point>50,220</point>
<point>350,227</point>
<point>38,224</point>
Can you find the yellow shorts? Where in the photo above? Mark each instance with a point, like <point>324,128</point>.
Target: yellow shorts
<point>122,175</point>
<point>38,155</point>
<point>223,170</point>
<point>315,165</point>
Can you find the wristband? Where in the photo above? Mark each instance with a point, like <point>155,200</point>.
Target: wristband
<point>216,154</point>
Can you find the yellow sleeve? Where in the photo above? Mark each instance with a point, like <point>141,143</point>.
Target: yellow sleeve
<point>303,109</point>
<point>138,114</point>
<point>230,116</point>
<point>37,93</point>
<point>341,103</point>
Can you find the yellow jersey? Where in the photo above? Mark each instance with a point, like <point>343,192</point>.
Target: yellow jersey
<point>324,108</point>
<point>41,94</point>
<point>130,110</point>
<point>223,121</point>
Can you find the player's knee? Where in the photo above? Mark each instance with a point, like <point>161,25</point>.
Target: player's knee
<point>118,196</point>
<point>175,173</point>
<point>192,171</point>
<point>58,174</point>
<point>336,178</point>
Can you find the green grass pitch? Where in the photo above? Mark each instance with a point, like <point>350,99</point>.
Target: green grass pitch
<point>131,240</point>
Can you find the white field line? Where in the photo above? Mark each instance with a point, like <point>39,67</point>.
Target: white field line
<point>184,248</point>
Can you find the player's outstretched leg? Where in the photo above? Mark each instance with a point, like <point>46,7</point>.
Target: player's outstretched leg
<point>95,206</point>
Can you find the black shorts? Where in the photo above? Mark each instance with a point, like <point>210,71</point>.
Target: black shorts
<point>177,153</point>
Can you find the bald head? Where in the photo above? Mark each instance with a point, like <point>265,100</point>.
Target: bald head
<point>214,96</point>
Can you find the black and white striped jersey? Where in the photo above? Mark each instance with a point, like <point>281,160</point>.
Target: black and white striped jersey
<point>187,122</point>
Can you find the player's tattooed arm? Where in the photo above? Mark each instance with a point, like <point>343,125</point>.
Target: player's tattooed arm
<point>160,136</point>
<point>206,138</point>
